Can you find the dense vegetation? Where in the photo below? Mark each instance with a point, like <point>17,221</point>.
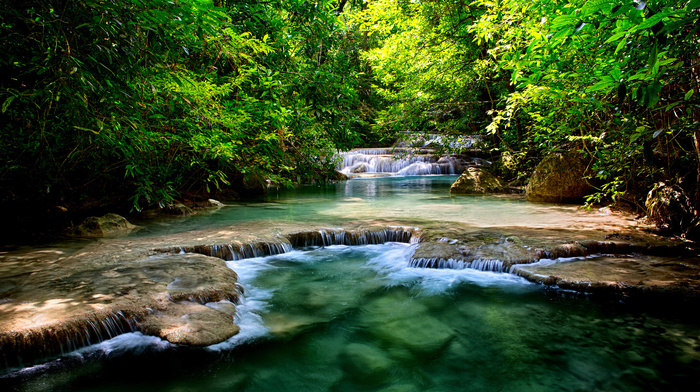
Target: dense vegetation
<point>151,101</point>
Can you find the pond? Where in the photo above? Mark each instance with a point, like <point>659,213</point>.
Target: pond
<point>358,318</point>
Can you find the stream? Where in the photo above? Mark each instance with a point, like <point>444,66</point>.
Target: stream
<point>359,318</point>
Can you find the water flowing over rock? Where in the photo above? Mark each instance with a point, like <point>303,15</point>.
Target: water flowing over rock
<point>475,180</point>
<point>328,237</point>
<point>559,178</point>
<point>387,161</point>
<point>57,310</point>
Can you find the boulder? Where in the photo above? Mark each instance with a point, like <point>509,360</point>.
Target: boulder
<point>559,178</point>
<point>360,168</point>
<point>108,225</point>
<point>177,209</point>
<point>478,181</point>
<point>669,208</point>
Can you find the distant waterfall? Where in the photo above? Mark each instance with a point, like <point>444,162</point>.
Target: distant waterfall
<point>380,161</point>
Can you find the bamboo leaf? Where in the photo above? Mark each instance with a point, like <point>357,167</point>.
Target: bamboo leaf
<point>7,103</point>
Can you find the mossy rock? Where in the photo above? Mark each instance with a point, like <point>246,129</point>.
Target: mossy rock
<point>478,181</point>
<point>669,208</point>
<point>104,226</point>
<point>559,178</point>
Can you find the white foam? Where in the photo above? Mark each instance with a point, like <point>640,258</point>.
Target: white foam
<point>131,342</point>
<point>395,265</point>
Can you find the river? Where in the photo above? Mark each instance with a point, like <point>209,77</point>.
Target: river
<point>359,318</point>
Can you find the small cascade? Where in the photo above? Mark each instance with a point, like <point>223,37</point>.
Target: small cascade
<point>35,346</point>
<point>324,237</point>
<point>328,237</point>
<point>479,264</point>
<point>239,250</point>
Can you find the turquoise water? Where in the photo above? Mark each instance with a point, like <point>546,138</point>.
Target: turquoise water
<point>419,199</point>
<point>359,319</point>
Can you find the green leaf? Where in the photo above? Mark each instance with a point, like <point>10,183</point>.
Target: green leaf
<point>690,92</point>
<point>652,57</point>
<point>617,36</point>
<point>654,19</point>
<point>594,6</point>
<point>653,94</point>
<point>9,100</point>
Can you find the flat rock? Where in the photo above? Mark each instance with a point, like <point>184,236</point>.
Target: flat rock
<point>633,276</point>
<point>81,299</point>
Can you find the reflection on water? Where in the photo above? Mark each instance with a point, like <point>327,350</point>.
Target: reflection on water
<point>418,199</point>
<point>359,319</point>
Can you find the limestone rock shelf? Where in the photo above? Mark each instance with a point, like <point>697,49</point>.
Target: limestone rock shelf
<point>179,288</point>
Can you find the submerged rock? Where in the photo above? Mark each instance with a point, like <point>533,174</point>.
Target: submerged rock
<point>559,178</point>
<point>104,226</point>
<point>366,363</point>
<point>478,181</point>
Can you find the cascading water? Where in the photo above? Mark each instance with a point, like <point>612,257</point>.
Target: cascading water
<point>378,163</point>
<point>407,158</point>
<point>343,318</point>
<point>319,314</point>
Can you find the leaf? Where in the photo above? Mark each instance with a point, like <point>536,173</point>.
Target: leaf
<point>594,6</point>
<point>652,57</point>
<point>693,5</point>
<point>561,21</point>
<point>641,93</point>
<point>653,94</point>
<point>9,100</point>
<point>616,37</point>
<point>687,95</point>
<point>652,21</point>
<point>621,94</point>
<point>606,83</point>
<point>86,129</point>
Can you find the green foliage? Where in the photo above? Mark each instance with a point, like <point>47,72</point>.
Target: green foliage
<point>153,99</point>
<point>616,77</point>
<point>149,99</point>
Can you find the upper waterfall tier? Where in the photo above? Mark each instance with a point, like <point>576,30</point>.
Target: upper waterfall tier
<point>379,161</point>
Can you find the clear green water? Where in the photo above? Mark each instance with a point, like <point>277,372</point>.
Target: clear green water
<point>358,319</point>
<point>418,199</point>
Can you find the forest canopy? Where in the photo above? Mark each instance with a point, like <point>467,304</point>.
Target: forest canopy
<point>150,101</point>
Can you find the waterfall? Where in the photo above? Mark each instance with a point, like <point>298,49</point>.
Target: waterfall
<point>399,161</point>
<point>19,349</point>
<point>328,237</point>
<point>491,265</point>
<point>324,237</point>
